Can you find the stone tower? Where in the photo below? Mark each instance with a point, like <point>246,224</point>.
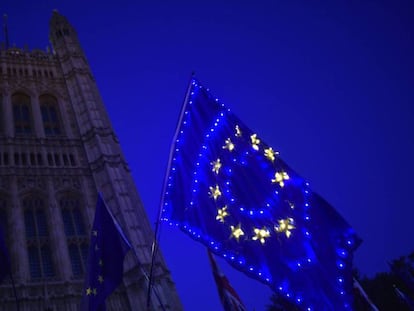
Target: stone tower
<point>57,150</point>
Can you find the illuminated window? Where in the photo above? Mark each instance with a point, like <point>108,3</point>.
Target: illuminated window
<point>75,233</point>
<point>37,238</point>
<point>22,114</point>
<point>50,115</point>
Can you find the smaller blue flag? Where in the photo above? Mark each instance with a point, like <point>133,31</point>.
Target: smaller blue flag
<point>4,258</point>
<point>105,260</point>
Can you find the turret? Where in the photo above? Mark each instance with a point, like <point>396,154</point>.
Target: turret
<point>63,36</point>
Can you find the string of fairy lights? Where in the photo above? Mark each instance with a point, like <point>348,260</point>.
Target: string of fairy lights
<point>228,151</point>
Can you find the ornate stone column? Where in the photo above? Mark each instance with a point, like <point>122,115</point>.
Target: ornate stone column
<point>37,117</point>
<point>8,115</point>
<point>57,235</point>
<point>18,251</point>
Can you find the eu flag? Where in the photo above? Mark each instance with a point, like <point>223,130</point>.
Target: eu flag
<point>105,260</point>
<point>4,257</point>
<point>228,189</point>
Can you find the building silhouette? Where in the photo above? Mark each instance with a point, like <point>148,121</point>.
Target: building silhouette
<point>57,150</point>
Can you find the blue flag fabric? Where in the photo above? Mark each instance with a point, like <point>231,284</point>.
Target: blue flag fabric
<point>4,257</point>
<point>228,189</point>
<point>105,260</point>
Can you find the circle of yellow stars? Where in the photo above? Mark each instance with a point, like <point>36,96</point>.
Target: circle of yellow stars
<point>284,226</point>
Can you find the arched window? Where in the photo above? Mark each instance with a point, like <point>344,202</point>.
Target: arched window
<point>76,236</point>
<point>37,238</point>
<point>50,115</point>
<point>22,114</point>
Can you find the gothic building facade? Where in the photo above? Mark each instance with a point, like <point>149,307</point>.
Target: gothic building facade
<point>57,150</point>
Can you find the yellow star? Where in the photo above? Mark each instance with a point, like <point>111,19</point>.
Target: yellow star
<point>270,154</point>
<point>95,233</point>
<point>238,132</point>
<point>100,279</point>
<point>88,291</point>
<point>285,225</point>
<point>229,145</point>
<point>221,213</point>
<point>255,141</point>
<point>261,234</point>
<point>94,292</point>
<point>216,166</point>
<point>100,262</point>
<point>280,177</point>
<point>236,232</point>
<point>215,192</point>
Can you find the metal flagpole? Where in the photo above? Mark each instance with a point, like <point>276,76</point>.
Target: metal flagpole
<point>157,223</point>
<point>14,291</point>
<point>121,232</point>
<point>147,278</point>
<point>364,294</point>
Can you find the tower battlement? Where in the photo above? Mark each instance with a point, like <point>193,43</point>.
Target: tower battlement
<point>57,151</point>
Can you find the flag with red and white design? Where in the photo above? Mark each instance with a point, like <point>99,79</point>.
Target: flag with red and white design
<point>228,296</point>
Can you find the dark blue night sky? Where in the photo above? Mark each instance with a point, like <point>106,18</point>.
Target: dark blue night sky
<point>329,85</point>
